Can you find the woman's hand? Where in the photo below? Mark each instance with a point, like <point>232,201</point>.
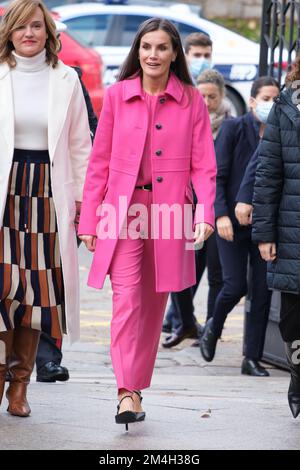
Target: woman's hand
<point>243,213</point>
<point>202,232</point>
<point>77,216</point>
<point>225,229</point>
<point>89,241</point>
<point>267,251</point>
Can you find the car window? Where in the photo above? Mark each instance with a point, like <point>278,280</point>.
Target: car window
<point>90,30</point>
<point>186,29</point>
<point>129,25</point>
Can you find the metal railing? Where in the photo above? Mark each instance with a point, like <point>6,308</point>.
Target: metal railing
<point>280,37</point>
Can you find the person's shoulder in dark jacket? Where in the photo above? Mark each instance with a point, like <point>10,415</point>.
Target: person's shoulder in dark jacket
<point>93,121</point>
<point>225,145</point>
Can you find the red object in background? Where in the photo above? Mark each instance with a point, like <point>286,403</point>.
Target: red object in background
<point>75,54</point>
<point>284,65</point>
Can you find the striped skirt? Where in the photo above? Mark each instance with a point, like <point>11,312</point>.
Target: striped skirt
<point>31,280</point>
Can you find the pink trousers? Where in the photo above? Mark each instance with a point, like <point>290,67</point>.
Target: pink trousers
<point>138,309</point>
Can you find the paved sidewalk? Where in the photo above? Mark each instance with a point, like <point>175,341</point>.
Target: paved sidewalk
<point>191,404</point>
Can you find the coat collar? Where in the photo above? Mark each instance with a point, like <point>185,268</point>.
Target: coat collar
<point>133,88</point>
<point>61,86</point>
<point>7,108</point>
<point>4,70</point>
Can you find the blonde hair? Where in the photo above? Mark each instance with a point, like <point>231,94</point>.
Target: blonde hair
<point>214,77</point>
<point>17,14</point>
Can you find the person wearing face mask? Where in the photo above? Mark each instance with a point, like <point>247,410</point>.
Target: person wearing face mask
<point>244,208</point>
<point>235,144</point>
<point>198,53</point>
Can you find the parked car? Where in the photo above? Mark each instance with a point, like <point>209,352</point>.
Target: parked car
<point>110,29</point>
<point>74,53</point>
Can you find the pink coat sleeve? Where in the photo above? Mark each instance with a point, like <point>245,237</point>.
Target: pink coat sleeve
<point>203,166</point>
<point>97,172</point>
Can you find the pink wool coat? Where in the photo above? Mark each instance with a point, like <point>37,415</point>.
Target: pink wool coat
<point>182,152</point>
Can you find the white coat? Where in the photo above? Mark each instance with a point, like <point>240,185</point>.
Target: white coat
<point>69,146</point>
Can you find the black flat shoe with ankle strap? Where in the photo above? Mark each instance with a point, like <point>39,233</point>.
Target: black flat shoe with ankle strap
<point>127,416</point>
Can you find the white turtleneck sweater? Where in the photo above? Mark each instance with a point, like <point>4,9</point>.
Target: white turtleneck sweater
<point>30,83</point>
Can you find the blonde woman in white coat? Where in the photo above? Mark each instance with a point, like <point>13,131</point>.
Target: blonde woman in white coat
<point>44,147</point>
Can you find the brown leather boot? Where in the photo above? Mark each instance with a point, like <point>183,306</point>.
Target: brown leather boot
<point>6,339</point>
<point>25,344</point>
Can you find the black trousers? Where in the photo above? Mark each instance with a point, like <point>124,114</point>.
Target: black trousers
<point>289,324</point>
<point>234,260</point>
<point>182,302</point>
<point>49,350</point>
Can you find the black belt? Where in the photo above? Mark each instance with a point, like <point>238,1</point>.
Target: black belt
<point>146,187</point>
<point>31,156</point>
<point>27,157</point>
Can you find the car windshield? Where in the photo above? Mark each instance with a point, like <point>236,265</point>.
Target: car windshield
<point>90,30</point>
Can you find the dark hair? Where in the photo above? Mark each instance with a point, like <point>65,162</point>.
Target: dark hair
<point>132,68</point>
<point>261,82</point>
<point>197,39</point>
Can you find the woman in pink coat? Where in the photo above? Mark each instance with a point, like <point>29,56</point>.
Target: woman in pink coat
<point>153,141</point>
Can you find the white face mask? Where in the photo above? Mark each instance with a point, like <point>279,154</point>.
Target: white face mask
<point>198,65</point>
<point>263,109</point>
